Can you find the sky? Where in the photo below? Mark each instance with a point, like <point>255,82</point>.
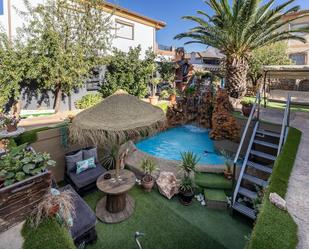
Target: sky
<point>171,11</point>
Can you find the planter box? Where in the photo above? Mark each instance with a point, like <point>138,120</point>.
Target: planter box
<point>18,200</point>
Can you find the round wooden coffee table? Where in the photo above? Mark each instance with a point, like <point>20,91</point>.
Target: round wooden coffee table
<point>117,205</point>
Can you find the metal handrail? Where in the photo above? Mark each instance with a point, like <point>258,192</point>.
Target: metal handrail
<point>285,123</point>
<point>256,105</point>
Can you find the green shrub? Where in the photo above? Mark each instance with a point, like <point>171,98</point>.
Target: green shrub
<point>88,101</point>
<point>276,228</point>
<point>20,164</point>
<point>48,235</point>
<point>164,94</point>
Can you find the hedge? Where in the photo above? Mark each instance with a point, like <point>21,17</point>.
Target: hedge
<point>275,228</point>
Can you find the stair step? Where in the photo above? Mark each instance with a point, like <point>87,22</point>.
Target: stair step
<point>266,144</point>
<point>269,133</point>
<point>263,155</point>
<point>248,193</point>
<point>245,210</point>
<point>259,167</point>
<point>255,180</point>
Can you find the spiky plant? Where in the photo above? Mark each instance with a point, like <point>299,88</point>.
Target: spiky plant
<point>237,28</point>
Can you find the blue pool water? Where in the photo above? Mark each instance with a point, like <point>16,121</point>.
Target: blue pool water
<point>170,143</point>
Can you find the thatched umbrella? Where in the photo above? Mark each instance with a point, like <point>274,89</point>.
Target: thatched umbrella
<point>117,119</point>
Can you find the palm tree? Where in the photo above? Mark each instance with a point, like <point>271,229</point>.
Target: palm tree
<point>237,29</point>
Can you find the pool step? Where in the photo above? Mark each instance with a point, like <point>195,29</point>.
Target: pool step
<point>212,181</point>
<point>248,193</point>
<point>263,133</point>
<point>266,144</point>
<point>215,198</point>
<point>255,180</point>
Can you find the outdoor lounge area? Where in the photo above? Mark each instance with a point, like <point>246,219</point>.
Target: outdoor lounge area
<point>111,140</point>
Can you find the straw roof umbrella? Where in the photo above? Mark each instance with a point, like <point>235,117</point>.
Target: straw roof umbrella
<point>117,119</point>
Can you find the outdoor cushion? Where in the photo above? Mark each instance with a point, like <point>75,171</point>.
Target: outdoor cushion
<point>90,152</point>
<point>87,177</point>
<point>71,159</point>
<point>84,218</point>
<point>84,165</point>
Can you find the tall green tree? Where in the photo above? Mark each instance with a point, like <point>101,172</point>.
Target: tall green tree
<point>65,39</point>
<point>11,69</point>
<point>273,54</point>
<point>239,27</point>
<point>129,72</point>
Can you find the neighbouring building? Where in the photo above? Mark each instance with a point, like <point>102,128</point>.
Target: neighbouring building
<point>131,29</point>
<point>298,51</point>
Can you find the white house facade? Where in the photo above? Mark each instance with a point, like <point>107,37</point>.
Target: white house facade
<point>131,29</point>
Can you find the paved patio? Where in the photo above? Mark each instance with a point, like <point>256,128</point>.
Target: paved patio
<point>297,196</point>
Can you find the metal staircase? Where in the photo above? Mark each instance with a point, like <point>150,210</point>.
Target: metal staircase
<point>263,148</point>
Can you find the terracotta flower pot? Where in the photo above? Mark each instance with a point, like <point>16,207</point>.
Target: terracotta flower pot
<point>228,175</point>
<point>186,198</point>
<point>11,128</point>
<point>153,100</point>
<point>246,110</point>
<point>172,98</point>
<point>147,183</point>
<point>53,210</point>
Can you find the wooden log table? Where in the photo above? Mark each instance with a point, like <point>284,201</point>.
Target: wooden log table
<point>117,205</point>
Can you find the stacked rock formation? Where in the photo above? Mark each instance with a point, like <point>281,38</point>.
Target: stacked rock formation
<point>205,109</point>
<point>224,125</point>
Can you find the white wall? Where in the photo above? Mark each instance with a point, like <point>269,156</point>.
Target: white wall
<point>143,34</point>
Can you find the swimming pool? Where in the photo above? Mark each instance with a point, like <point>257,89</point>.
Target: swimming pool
<point>170,143</point>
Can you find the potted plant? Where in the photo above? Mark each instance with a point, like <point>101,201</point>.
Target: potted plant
<point>228,171</point>
<point>153,99</point>
<point>173,95</point>
<point>246,108</point>
<point>148,167</point>
<point>10,122</point>
<point>55,203</point>
<point>189,162</point>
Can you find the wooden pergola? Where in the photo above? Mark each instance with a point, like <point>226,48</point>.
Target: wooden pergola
<point>299,72</point>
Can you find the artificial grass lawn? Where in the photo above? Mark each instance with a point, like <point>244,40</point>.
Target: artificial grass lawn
<point>48,235</point>
<point>275,228</point>
<point>214,181</point>
<point>170,225</point>
<point>281,106</point>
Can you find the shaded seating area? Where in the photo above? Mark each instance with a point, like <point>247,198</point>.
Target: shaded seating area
<point>85,181</point>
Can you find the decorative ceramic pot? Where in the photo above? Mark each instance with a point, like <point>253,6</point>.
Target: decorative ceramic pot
<point>186,198</point>
<point>246,110</point>
<point>11,128</point>
<point>153,100</point>
<point>147,183</point>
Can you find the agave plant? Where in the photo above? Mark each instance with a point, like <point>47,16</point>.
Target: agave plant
<point>189,161</point>
<point>237,28</point>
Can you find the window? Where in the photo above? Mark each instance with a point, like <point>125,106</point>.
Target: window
<point>298,26</point>
<point>124,30</point>
<point>298,58</point>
